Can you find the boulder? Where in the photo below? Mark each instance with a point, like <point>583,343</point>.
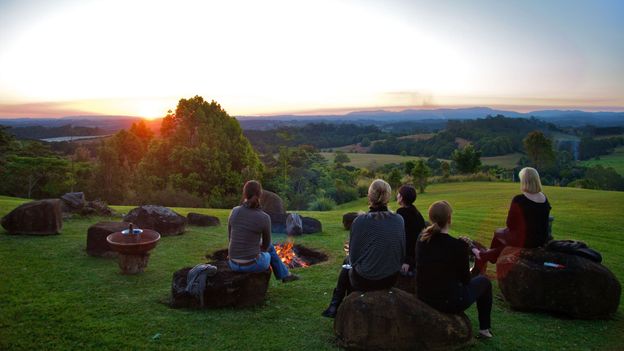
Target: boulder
<point>96,238</point>
<point>225,289</point>
<point>43,217</point>
<point>202,220</point>
<point>396,320</point>
<point>73,201</point>
<point>311,225</point>
<point>580,289</point>
<point>347,219</point>
<point>271,202</point>
<point>97,208</point>
<point>159,218</point>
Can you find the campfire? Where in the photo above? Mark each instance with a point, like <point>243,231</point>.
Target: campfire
<point>293,255</point>
<point>287,252</point>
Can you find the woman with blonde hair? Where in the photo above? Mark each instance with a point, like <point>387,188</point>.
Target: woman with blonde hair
<point>442,271</point>
<point>527,221</point>
<point>376,249</point>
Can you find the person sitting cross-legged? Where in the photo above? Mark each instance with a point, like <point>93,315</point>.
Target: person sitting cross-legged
<point>249,233</point>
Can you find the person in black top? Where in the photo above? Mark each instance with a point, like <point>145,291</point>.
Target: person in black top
<point>443,277</point>
<point>414,224</point>
<point>527,221</point>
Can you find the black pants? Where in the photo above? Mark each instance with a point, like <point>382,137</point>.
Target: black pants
<point>479,290</point>
<point>349,280</point>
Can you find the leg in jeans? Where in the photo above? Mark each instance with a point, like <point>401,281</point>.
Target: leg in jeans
<point>261,265</point>
<point>279,268</point>
<point>479,290</point>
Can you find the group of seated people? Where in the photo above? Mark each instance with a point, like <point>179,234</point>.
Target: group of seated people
<point>384,244</point>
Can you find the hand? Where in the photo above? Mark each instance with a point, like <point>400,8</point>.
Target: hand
<point>405,268</point>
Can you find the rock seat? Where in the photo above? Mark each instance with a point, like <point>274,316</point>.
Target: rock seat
<point>396,320</point>
<point>347,219</point>
<point>225,289</point>
<point>161,219</point>
<point>96,238</point>
<point>43,217</point>
<point>202,220</point>
<point>582,289</point>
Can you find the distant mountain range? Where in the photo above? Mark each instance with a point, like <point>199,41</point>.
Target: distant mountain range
<point>560,117</point>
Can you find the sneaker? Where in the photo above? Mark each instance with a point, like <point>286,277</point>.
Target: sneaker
<point>485,334</point>
<point>290,278</point>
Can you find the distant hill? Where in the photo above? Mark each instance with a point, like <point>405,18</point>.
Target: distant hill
<point>559,117</point>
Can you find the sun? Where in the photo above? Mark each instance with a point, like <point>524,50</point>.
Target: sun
<point>149,110</point>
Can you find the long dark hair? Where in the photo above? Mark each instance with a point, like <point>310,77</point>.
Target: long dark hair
<point>439,215</point>
<point>251,194</point>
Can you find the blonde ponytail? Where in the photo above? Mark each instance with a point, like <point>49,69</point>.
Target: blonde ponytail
<point>439,214</point>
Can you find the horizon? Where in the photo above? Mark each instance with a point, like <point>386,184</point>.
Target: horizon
<point>277,58</point>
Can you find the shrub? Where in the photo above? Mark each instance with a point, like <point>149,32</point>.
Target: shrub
<point>322,204</point>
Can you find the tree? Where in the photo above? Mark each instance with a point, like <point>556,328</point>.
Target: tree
<point>421,172</point>
<point>203,152</point>
<point>394,179</point>
<point>341,158</point>
<point>446,169</point>
<point>539,149</point>
<point>365,142</point>
<point>467,159</point>
<point>409,166</point>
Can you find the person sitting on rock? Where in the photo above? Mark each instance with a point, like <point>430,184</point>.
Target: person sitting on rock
<point>414,224</point>
<point>376,249</point>
<point>527,221</point>
<point>249,234</point>
<point>442,271</point>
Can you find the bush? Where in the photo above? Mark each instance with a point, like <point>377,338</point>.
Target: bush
<point>167,197</point>
<point>476,177</point>
<point>322,204</point>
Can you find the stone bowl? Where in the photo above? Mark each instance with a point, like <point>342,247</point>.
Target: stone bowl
<point>133,244</point>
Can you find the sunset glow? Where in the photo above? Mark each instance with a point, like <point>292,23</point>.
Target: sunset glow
<point>266,57</point>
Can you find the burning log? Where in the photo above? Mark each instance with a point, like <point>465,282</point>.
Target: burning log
<point>288,255</point>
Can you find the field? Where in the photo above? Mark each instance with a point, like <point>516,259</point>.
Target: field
<point>615,160</point>
<point>55,297</point>
<point>372,161</point>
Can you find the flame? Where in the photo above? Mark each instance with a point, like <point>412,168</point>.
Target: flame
<point>288,255</point>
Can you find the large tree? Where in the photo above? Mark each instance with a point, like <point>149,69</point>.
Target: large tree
<point>467,160</point>
<point>202,151</point>
<point>420,172</point>
<point>539,149</point>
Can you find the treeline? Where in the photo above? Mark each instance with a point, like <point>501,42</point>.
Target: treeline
<point>491,136</point>
<point>319,135</point>
<point>592,147</point>
<point>39,132</point>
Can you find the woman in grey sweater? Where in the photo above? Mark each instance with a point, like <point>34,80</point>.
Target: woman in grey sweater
<point>249,234</point>
<point>376,249</point>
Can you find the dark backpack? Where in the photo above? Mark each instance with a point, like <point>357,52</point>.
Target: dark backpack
<point>574,247</point>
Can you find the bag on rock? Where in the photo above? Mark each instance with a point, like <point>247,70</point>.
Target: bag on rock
<point>574,247</point>
<point>294,224</point>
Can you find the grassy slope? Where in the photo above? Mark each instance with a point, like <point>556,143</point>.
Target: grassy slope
<point>615,160</point>
<point>54,296</point>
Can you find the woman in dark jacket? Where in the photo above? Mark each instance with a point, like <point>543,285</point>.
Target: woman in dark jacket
<point>527,221</point>
<point>443,277</point>
<point>376,249</point>
<point>414,224</point>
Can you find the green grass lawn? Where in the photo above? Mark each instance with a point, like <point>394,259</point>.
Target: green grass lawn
<point>615,160</point>
<point>55,297</point>
<point>506,161</point>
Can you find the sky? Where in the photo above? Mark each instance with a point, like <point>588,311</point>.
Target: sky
<point>138,58</point>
